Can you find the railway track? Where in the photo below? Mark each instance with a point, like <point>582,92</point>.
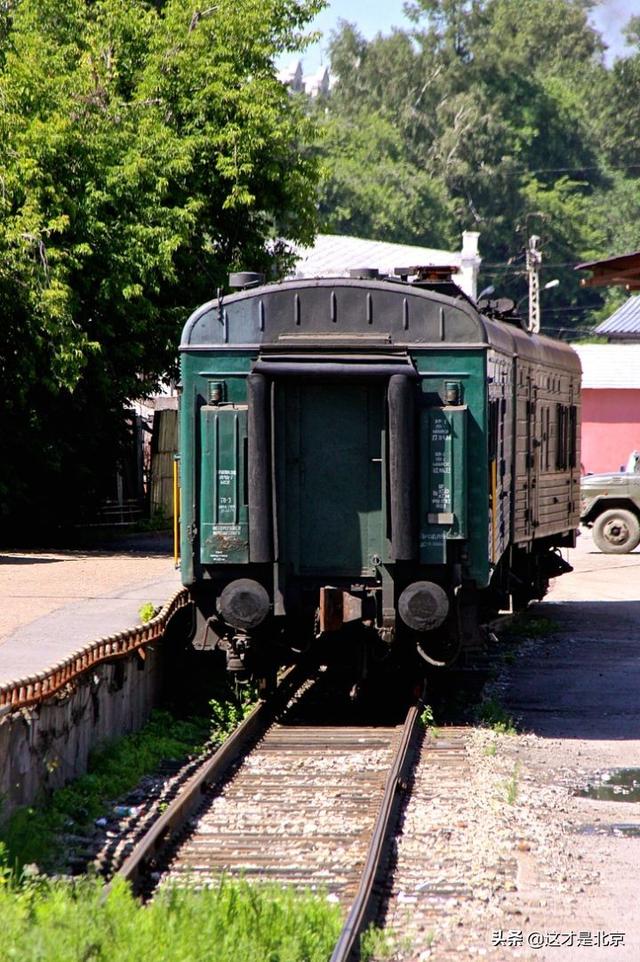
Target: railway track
<point>304,793</point>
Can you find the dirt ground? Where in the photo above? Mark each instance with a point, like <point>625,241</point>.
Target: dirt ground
<point>502,860</point>
<point>575,691</point>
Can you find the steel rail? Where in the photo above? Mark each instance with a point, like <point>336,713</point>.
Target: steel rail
<point>165,831</point>
<point>362,909</point>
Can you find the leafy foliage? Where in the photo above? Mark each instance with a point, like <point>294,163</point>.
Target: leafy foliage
<point>503,117</point>
<point>74,922</point>
<point>146,149</point>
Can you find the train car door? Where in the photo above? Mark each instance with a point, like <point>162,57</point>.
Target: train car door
<point>527,505</point>
<point>329,449</point>
<point>533,457</point>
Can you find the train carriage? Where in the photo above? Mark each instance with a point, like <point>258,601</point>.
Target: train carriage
<point>369,456</point>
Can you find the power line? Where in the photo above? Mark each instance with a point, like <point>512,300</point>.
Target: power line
<point>517,269</point>
<point>568,307</point>
<point>566,170</point>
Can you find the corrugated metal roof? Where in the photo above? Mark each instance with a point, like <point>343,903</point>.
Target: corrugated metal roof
<point>609,365</point>
<point>334,255</point>
<point>624,321</point>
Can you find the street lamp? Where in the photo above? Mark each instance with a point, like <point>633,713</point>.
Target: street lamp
<point>487,292</point>
<point>547,287</point>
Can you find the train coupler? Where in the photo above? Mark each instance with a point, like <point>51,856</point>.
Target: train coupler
<point>339,607</point>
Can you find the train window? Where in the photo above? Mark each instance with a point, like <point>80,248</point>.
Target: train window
<point>546,438</point>
<point>560,437</point>
<point>566,437</point>
<point>573,436</point>
<point>503,421</point>
<point>493,428</point>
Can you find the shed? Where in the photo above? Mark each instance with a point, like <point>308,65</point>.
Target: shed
<point>610,404</point>
<point>623,270</point>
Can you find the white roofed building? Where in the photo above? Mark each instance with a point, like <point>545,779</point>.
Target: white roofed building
<point>623,324</point>
<point>335,255</point>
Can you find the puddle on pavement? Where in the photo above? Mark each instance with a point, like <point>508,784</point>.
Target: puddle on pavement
<point>617,785</point>
<point>618,830</point>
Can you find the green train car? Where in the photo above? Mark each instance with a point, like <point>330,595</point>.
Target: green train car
<point>369,461</point>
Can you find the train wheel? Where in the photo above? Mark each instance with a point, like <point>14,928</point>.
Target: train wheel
<point>617,531</point>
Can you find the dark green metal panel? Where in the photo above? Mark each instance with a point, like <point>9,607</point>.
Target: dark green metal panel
<point>198,371</point>
<point>224,535</point>
<point>443,473</point>
<point>330,504</point>
<point>332,519</point>
<point>468,368</point>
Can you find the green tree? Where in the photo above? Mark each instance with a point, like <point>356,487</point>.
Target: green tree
<point>490,104</point>
<point>372,189</point>
<point>146,148</point>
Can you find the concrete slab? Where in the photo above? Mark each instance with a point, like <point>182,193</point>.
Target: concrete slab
<point>52,603</point>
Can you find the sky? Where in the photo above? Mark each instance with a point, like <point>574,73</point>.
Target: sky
<point>379,16</point>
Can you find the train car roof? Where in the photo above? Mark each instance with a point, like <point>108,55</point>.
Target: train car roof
<point>353,312</point>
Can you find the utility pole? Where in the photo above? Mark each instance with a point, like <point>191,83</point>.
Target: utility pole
<point>534,258</point>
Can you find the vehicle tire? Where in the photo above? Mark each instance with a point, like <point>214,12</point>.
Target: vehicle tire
<point>616,531</point>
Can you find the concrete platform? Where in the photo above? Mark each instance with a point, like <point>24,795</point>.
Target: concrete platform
<point>51,603</point>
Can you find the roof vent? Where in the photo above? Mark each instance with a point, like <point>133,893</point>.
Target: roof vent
<point>244,279</point>
<point>429,273</point>
<point>364,273</point>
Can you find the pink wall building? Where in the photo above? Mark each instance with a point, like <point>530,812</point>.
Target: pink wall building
<point>610,405</point>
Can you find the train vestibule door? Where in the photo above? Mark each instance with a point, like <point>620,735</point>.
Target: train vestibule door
<point>533,457</point>
<point>329,448</point>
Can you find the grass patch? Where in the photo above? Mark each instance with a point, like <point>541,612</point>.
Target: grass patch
<point>227,712</point>
<point>512,785</point>
<point>527,626</point>
<point>491,714</point>
<point>232,920</point>
<point>146,612</point>
<point>33,834</point>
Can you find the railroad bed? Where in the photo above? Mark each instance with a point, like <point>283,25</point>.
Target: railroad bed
<point>305,794</point>
<point>299,810</point>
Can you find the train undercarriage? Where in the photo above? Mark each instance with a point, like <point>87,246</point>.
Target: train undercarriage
<point>403,616</point>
